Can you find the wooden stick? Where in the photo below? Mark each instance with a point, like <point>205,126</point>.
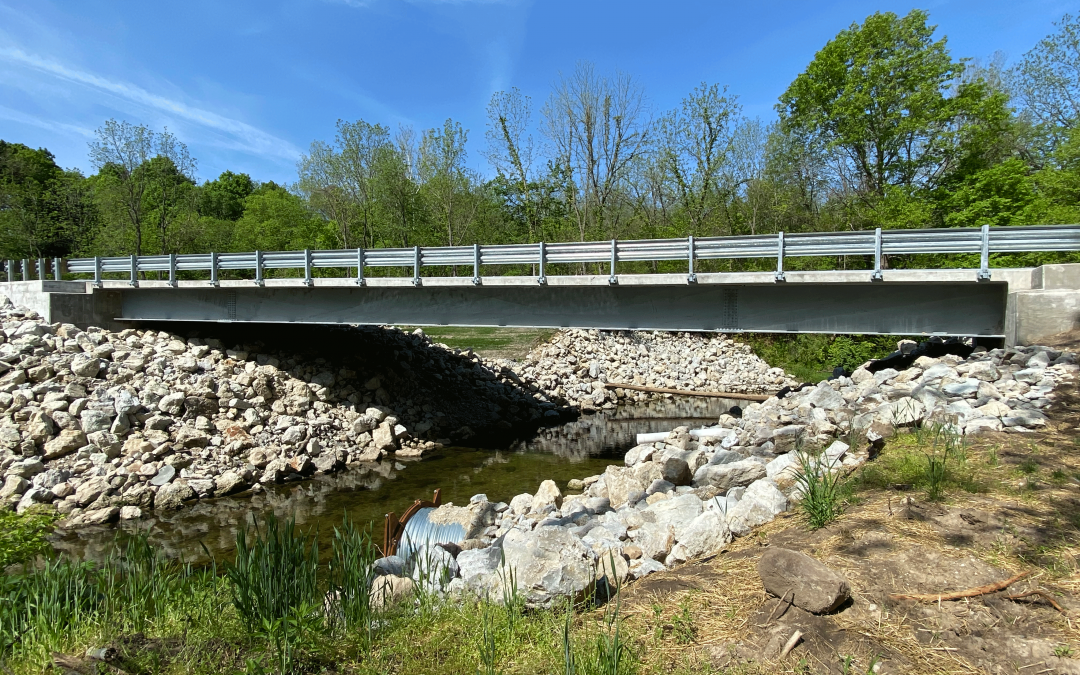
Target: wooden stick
<point>969,593</point>
<point>683,392</point>
<point>792,641</point>
<point>1042,594</point>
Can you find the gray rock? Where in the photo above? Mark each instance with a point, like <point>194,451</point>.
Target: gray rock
<point>392,564</point>
<point>760,504</point>
<point>676,471</point>
<point>548,563</point>
<point>66,443</point>
<point>228,483</point>
<point>1024,417</point>
<point>13,485</point>
<point>84,365</point>
<point>621,484</point>
<point>813,586</point>
<point>173,495</point>
<point>478,566</point>
<point>725,476</point>
<point>103,516</point>
<point>707,533</point>
<point>171,404</point>
<point>547,497</point>
<point>164,476</point>
<point>825,397</point>
<point>659,485</point>
<point>94,420</point>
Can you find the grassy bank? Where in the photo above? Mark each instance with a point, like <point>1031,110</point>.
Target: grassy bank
<point>932,513</point>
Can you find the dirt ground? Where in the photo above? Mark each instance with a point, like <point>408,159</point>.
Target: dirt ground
<point>1022,515</point>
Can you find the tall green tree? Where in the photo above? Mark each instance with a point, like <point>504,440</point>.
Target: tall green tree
<point>881,98</point>
<point>1047,79</point>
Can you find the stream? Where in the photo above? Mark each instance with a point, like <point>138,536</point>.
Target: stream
<point>576,449</point>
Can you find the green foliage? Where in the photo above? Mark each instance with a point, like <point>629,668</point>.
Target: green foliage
<point>811,357</point>
<point>877,93</point>
<point>25,536</point>
<point>819,482</point>
<point>274,578</point>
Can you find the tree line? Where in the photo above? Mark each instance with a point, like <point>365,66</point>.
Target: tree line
<point>884,128</point>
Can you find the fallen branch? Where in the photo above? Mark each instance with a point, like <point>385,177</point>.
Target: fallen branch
<point>684,392</point>
<point>792,641</point>
<point>1042,594</point>
<point>969,593</point>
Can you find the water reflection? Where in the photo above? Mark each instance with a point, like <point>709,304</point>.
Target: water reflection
<point>574,450</point>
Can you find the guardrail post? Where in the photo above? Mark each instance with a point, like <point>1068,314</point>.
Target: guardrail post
<point>259,268</point>
<point>308,281</point>
<point>691,275</point>
<point>476,264</point>
<point>877,276</point>
<point>213,269</point>
<point>542,280</point>
<point>134,270</point>
<point>359,267</point>
<point>172,270</point>
<point>25,269</point>
<point>984,255</point>
<point>612,279</point>
<point>41,269</point>
<point>9,267</point>
<point>57,264</point>
<point>97,272</point>
<point>780,257</point>
<point>416,266</point>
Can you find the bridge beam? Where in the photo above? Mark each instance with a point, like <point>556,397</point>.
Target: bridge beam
<point>948,308</point>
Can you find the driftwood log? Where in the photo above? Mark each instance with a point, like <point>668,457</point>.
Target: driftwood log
<point>969,593</point>
<point>684,392</point>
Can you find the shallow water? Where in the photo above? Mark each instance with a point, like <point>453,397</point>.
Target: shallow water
<point>577,449</point>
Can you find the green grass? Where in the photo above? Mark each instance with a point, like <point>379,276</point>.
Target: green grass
<point>505,343</point>
<point>24,536</point>
<point>276,610</point>
<point>821,489</point>
<point>931,458</point>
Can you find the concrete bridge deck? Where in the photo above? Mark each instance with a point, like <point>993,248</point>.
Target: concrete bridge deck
<point>1021,306</point>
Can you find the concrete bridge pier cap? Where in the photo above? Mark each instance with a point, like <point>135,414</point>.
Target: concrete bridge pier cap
<point>1022,306</point>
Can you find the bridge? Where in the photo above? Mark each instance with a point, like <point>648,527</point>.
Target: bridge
<point>1019,305</point>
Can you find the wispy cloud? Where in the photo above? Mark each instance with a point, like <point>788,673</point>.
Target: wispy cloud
<point>49,125</point>
<point>239,135</point>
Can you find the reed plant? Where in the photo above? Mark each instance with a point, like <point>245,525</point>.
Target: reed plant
<point>820,485</point>
<point>352,574</point>
<point>274,574</point>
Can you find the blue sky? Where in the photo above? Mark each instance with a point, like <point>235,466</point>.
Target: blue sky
<point>249,85</point>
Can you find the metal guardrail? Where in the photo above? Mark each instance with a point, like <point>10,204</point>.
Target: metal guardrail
<point>984,241</point>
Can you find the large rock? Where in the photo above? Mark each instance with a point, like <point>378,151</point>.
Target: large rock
<point>40,427</point>
<point>705,534</point>
<point>173,496</point>
<point>733,474</point>
<point>89,491</point>
<point>66,443</point>
<point>621,484</point>
<point>761,502</point>
<point>676,471</point>
<point>810,584</point>
<point>102,516</point>
<point>13,485</point>
<point>547,498</point>
<point>383,437</point>
<point>228,483</point>
<point>675,513</point>
<point>84,365</point>
<point>825,397</point>
<point>478,567</point>
<point>548,563</point>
